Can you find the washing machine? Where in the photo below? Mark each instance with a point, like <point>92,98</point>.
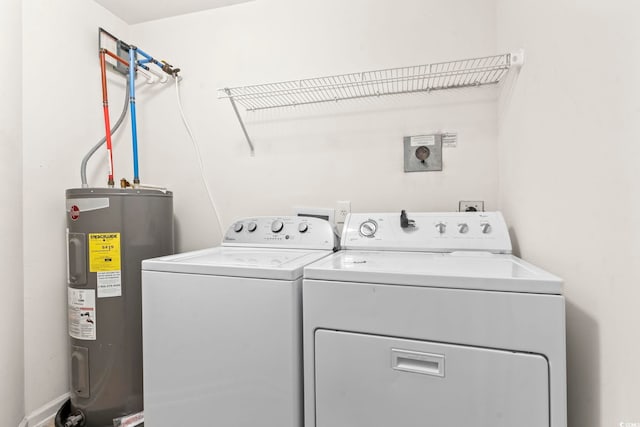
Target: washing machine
<point>222,327</point>
<point>428,320</point>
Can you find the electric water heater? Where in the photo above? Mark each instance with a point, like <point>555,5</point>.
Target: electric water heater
<point>109,232</point>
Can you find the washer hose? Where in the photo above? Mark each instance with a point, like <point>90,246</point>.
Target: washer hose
<point>65,419</point>
<point>85,160</point>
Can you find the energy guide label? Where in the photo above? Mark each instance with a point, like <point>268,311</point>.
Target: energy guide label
<point>104,252</point>
<point>104,259</point>
<point>82,313</point>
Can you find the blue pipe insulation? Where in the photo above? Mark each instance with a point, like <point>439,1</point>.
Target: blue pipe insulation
<point>143,53</point>
<point>144,61</point>
<point>149,58</point>
<point>132,100</point>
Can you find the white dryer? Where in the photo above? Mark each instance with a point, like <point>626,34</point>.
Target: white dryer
<point>222,335</point>
<point>428,320</point>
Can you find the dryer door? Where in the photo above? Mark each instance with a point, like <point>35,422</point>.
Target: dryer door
<point>376,381</point>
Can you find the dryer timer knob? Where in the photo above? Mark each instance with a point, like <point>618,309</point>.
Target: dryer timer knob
<point>368,228</point>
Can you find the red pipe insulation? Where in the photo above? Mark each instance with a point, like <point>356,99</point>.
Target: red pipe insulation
<point>116,57</point>
<point>105,108</point>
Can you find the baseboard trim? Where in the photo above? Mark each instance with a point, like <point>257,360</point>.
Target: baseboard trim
<point>44,413</point>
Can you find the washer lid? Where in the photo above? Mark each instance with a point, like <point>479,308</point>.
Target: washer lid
<point>279,264</point>
<point>459,270</point>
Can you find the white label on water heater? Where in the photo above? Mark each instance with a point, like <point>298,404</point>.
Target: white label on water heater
<point>109,284</point>
<point>82,313</point>
<point>129,420</point>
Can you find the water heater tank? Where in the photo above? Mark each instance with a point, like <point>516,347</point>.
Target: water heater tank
<point>109,232</point>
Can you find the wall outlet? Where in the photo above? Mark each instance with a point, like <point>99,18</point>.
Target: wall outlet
<point>471,206</point>
<point>343,208</point>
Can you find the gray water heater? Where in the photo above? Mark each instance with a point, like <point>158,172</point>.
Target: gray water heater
<point>109,232</point>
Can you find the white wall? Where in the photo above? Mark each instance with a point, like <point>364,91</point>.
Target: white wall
<point>315,155</point>
<point>568,132</point>
<point>11,301</point>
<point>570,184</point>
<point>304,157</point>
<point>62,118</point>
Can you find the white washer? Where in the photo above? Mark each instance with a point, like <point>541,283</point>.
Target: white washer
<point>435,324</point>
<point>222,335</point>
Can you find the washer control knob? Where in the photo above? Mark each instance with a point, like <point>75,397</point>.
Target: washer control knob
<point>463,228</point>
<point>441,227</point>
<point>486,227</point>
<point>237,227</point>
<point>277,226</point>
<point>252,227</point>
<point>368,228</point>
<point>303,227</point>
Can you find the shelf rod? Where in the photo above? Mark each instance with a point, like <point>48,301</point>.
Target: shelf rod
<point>244,129</point>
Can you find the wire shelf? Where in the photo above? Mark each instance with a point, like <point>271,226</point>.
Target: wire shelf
<point>472,72</point>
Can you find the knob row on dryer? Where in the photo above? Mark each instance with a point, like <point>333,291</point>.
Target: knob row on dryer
<point>369,228</point>
<point>463,227</point>
<point>427,231</point>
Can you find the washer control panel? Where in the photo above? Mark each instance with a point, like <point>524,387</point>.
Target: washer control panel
<point>427,232</point>
<point>293,232</point>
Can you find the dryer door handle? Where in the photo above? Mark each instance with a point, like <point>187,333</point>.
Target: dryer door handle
<point>417,362</point>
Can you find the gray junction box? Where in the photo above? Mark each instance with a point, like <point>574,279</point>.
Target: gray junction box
<point>109,233</point>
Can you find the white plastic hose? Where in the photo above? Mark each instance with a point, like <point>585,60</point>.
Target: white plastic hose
<point>198,155</point>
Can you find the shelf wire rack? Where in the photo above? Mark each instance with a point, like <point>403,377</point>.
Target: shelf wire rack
<point>464,73</point>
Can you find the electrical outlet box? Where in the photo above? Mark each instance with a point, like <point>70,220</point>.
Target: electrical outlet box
<point>471,206</point>
<point>343,208</point>
<point>423,153</point>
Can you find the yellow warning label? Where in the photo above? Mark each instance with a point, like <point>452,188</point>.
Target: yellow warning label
<point>104,252</point>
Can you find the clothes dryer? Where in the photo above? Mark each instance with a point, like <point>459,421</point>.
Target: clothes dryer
<point>428,320</point>
<point>222,337</point>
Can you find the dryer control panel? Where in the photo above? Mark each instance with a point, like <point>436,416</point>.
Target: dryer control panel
<point>427,232</point>
<point>292,232</point>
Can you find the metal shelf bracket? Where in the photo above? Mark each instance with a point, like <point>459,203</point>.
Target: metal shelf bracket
<point>244,129</point>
